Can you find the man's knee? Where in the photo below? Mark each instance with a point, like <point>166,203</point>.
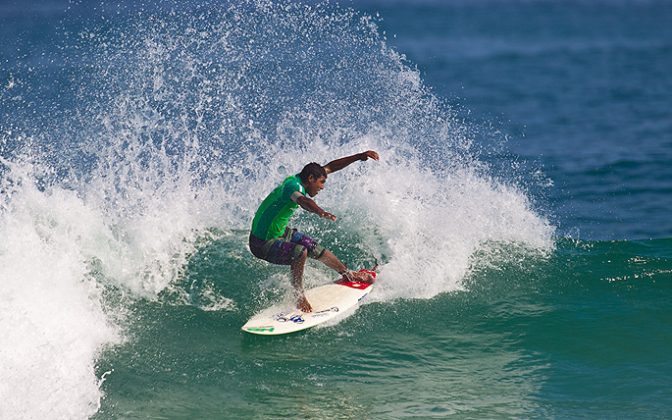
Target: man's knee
<point>300,253</point>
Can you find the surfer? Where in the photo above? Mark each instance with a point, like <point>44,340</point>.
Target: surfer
<point>271,239</point>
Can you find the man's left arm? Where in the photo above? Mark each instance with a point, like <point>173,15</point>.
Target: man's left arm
<point>338,164</point>
<point>311,206</point>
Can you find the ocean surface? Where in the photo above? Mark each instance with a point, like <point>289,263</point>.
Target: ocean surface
<point>519,214</point>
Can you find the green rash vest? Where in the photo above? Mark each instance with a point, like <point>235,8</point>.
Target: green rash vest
<point>275,211</point>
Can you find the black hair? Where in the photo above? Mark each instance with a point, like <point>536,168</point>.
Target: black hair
<point>314,169</point>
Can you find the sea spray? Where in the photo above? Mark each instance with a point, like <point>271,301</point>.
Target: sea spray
<point>52,318</point>
<point>183,122</point>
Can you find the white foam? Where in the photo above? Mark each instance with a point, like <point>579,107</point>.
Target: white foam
<point>433,224</point>
<point>52,319</point>
<point>210,301</point>
<point>60,249</point>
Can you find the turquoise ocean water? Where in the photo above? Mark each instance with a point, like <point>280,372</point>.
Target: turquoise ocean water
<point>519,212</point>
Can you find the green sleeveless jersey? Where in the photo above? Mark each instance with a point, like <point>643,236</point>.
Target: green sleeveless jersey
<point>275,211</point>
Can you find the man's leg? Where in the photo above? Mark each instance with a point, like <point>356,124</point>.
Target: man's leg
<point>331,261</point>
<point>297,281</point>
<point>281,251</point>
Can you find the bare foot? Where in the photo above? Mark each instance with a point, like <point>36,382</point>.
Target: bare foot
<point>303,305</point>
<point>362,277</point>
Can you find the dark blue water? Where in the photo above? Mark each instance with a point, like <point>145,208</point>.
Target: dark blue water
<point>519,213</point>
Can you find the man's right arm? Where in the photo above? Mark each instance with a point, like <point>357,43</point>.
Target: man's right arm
<point>338,164</point>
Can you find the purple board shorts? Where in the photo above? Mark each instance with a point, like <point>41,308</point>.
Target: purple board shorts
<point>286,249</point>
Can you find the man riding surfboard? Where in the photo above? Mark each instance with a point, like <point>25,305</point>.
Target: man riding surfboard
<point>271,239</point>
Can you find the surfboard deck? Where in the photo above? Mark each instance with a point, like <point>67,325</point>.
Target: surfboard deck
<point>328,302</point>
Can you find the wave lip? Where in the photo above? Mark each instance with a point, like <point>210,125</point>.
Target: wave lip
<point>433,225</point>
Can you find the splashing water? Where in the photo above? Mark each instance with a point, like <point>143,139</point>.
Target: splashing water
<point>184,121</point>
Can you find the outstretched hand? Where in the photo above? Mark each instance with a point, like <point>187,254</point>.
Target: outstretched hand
<point>369,154</point>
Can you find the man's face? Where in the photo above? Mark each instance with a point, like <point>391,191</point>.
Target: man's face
<point>315,185</point>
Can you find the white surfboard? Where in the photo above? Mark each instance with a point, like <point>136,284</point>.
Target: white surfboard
<point>328,302</point>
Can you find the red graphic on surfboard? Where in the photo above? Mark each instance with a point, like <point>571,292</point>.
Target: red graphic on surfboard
<point>356,284</point>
